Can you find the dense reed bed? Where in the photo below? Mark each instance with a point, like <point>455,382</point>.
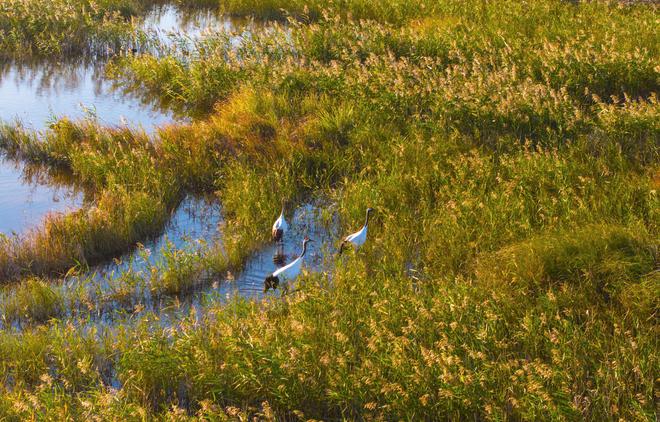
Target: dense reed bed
<point>510,150</point>
<point>62,28</point>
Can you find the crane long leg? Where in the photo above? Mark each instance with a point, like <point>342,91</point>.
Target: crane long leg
<point>341,247</point>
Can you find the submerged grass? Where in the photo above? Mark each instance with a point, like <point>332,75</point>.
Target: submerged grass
<point>35,299</point>
<point>101,298</point>
<point>511,153</point>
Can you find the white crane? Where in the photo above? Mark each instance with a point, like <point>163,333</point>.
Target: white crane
<point>280,226</point>
<point>358,238</point>
<point>289,271</point>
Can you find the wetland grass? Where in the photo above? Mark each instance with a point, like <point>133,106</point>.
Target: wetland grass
<point>510,151</point>
<point>59,27</point>
<point>131,201</point>
<point>35,300</point>
<point>64,29</point>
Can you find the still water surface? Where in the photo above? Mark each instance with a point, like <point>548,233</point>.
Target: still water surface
<point>195,225</point>
<point>29,193</point>
<point>36,93</point>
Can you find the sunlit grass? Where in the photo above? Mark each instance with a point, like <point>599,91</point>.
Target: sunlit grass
<point>510,151</point>
<point>45,27</point>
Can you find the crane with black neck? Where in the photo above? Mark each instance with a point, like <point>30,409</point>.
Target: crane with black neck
<point>289,272</point>
<point>358,238</point>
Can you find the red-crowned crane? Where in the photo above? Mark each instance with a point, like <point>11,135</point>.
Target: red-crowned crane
<point>280,226</point>
<point>289,271</point>
<point>358,238</point>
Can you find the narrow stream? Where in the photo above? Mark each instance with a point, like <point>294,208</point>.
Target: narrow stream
<point>194,225</point>
<point>117,289</point>
<point>248,284</point>
<point>306,221</point>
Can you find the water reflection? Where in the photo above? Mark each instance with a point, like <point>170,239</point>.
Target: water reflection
<point>38,92</point>
<point>306,221</point>
<point>121,289</point>
<point>165,21</point>
<point>193,226</point>
<point>29,192</point>
<point>313,220</point>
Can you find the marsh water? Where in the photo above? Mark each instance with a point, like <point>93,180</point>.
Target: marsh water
<point>29,193</point>
<point>194,226</point>
<point>305,221</point>
<point>167,22</point>
<point>38,92</point>
<point>35,94</point>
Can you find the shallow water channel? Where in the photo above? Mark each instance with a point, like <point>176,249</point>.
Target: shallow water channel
<point>197,225</point>
<point>35,93</point>
<point>305,221</point>
<point>29,192</point>
<point>111,292</point>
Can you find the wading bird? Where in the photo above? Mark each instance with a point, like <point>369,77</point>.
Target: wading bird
<point>288,272</point>
<point>358,238</point>
<point>280,226</point>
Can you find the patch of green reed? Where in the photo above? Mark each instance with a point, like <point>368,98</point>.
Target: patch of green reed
<point>181,271</point>
<point>118,221</point>
<point>607,262</point>
<point>511,266</point>
<point>625,60</point>
<point>131,199</point>
<point>135,182</point>
<point>46,28</point>
<point>35,300</point>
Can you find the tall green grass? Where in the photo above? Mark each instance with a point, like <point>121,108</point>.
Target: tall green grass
<point>131,201</point>
<point>61,28</point>
<point>511,153</point>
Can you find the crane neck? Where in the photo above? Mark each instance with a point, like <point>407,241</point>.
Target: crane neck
<point>366,220</point>
<point>304,249</point>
